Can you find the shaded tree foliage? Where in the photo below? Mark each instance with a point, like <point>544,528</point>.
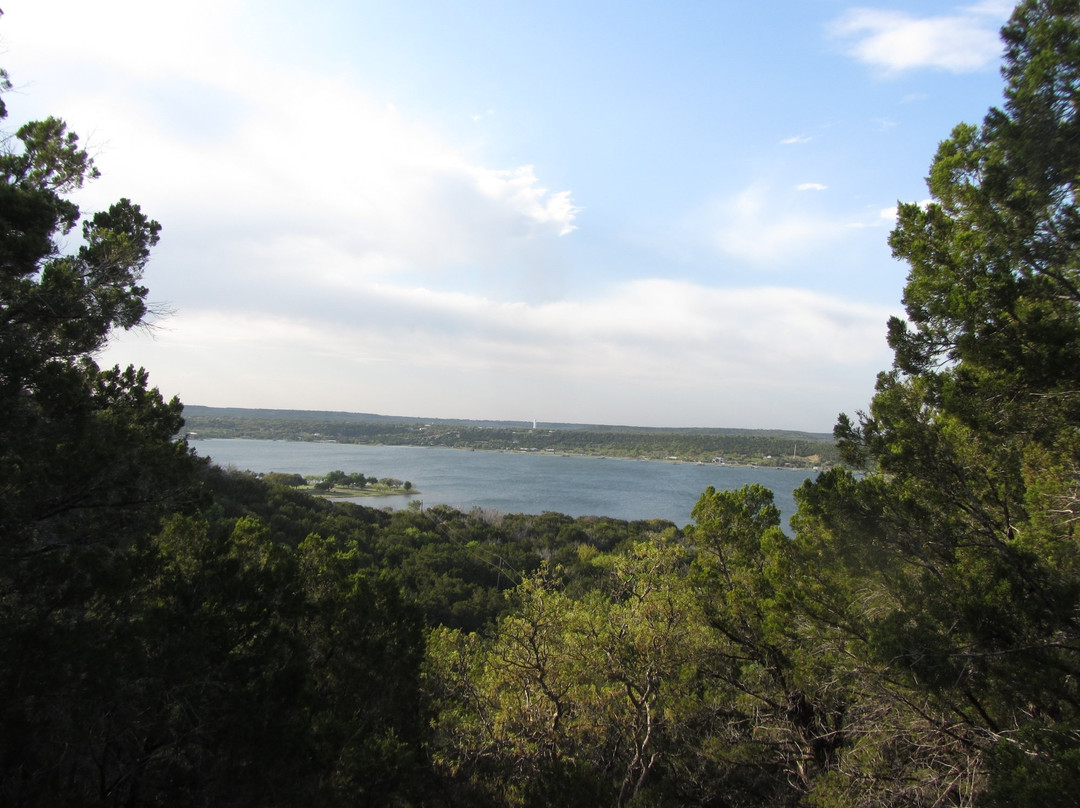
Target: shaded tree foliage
<point>964,529</point>
<point>151,655</point>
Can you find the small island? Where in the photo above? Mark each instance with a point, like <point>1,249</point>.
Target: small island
<point>339,484</point>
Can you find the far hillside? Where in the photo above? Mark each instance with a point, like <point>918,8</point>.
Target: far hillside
<point>697,445</point>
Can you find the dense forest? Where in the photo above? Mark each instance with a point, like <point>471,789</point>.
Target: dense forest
<point>172,633</point>
<point>771,447</point>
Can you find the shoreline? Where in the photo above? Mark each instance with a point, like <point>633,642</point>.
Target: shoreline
<point>537,453</point>
<point>344,493</point>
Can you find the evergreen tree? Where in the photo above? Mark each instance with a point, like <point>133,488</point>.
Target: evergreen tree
<point>86,454</point>
<point>963,531</point>
<point>89,465</point>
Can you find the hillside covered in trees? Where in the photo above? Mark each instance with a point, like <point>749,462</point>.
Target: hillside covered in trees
<point>798,449</point>
<point>172,633</point>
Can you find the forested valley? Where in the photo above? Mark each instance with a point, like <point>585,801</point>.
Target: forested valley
<point>172,633</point>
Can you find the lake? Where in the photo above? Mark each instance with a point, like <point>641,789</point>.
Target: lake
<point>513,482</point>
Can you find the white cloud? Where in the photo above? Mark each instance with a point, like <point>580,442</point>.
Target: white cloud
<point>730,344</point>
<point>768,228</point>
<point>999,9</point>
<point>811,186</point>
<point>311,170</point>
<point>149,41</point>
<point>519,188</point>
<point>895,41</point>
<point>888,215</point>
<point>795,140</point>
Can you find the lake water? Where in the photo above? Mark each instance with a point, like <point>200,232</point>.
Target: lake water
<point>513,482</point>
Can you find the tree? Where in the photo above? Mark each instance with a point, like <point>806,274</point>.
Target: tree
<point>336,477</point>
<point>780,705</point>
<point>963,529</point>
<point>636,691</point>
<point>571,702</point>
<point>150,656</point>
<point>89,461</point>
<point>280,478</point>
<point>84,453</point>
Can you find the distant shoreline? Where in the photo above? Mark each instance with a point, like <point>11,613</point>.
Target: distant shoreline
<point>347,493</point>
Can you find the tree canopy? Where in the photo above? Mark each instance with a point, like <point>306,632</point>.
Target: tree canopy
<point>967,515</point>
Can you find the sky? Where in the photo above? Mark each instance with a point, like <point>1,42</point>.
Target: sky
<point>641,213</point>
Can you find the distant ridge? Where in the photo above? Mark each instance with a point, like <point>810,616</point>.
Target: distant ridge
<point>335,416</point>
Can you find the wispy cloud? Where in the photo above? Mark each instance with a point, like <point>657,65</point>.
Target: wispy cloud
<point>767,227</point>
<point>894,41</point>
<point>795,140</point>
<point>1001,9</point>
<point>520,189</point>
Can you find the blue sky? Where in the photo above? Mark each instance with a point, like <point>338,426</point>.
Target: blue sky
<point>625,213</point>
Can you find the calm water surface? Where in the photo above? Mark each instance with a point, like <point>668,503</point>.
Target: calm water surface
<point>513,482</point>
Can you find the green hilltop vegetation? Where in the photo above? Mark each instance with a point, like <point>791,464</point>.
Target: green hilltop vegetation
<point>741,446</point>
<point>174,633</point>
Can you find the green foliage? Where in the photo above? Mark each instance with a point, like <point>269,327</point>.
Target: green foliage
<point>676,679</point>
<point>85,454</point>
<point>148,657</point>
<point>290,480</point>
<point>218,669</point>
<point>569,701</point>
<point>797,449</point>
<point>961,542</point>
